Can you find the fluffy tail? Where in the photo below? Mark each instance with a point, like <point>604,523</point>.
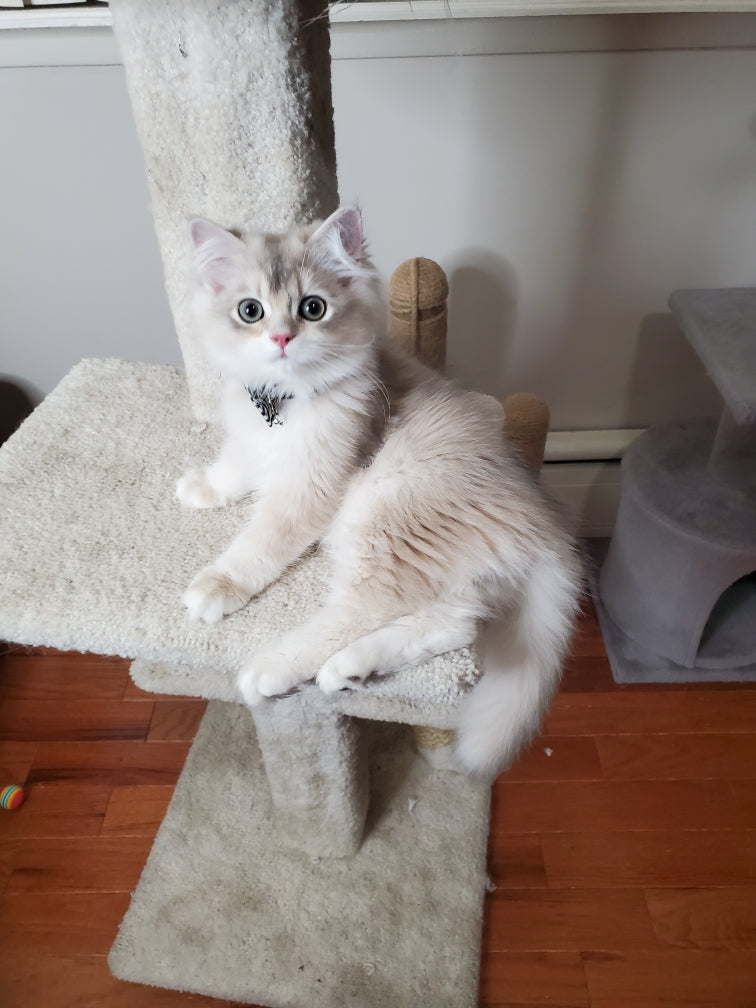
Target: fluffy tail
<point>522,659</point>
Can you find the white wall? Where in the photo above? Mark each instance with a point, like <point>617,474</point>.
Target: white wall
<point>80,273</point>
<point>566,195</point>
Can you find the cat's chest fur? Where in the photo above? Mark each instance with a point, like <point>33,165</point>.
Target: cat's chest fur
<point>329,432</point>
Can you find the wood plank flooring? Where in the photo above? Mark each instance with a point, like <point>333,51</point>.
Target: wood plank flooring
<point>622,851</point>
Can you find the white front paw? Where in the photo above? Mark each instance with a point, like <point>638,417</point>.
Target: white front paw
<point>212,595</point>
<point>343,670</point>
<point>246,683</point>
<point>267,675</point>
<point>195,491</point>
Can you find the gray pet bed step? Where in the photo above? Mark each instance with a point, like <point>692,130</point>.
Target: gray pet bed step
<point>677,589</point>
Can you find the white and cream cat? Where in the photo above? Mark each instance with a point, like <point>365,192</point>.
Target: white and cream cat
<point>432,527</point>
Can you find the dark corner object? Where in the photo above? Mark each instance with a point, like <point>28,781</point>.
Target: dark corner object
<point>15,407</point>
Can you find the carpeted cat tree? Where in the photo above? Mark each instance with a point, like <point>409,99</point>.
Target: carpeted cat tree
<point>314,860</point>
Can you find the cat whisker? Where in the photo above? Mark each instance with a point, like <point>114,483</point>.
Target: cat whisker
<point>386,398</point>
<point>349,346</point>
<point>318,17</point>
<point>300,270</point>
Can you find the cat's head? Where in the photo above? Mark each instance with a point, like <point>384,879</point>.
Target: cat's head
<point>296,311</point>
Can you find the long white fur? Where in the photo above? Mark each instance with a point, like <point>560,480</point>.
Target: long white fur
<point>433,529</point>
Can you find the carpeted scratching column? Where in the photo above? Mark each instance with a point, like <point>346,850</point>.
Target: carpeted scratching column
<point>307,745</point>
<point>232,104</point>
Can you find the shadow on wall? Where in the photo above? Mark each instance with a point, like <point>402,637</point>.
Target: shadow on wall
<point>485,292</point>
<point>583,355</point>
<point>15,406</point>
<point>483,295</point>
<point>663,379</point>
<point>668,380</point>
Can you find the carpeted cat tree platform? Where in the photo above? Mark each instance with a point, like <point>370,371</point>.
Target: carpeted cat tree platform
<point>309,856</point>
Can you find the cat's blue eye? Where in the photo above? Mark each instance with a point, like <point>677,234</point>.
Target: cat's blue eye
<point>312,308</point>
<point>250,310</point>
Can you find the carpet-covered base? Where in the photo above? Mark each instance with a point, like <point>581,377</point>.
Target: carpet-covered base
<point>223,908</point>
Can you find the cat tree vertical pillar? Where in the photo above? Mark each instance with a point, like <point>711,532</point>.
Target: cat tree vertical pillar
<point>232,104</point>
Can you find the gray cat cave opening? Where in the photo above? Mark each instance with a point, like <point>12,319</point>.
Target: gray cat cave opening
<point>676,595</point>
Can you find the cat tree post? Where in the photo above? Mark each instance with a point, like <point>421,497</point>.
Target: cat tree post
<point>417,320</point>
<point>315,762</point>
<point>232,104</point>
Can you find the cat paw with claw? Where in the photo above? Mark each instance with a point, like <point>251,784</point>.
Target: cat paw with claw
<point>266,677</point>
<point>212,595</point>
<point>195,491</point>
<point>343,670</point>
<point>246,683</point>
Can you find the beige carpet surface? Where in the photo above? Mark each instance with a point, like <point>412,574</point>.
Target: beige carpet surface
<point>223,909</point>
<point>95,550</point>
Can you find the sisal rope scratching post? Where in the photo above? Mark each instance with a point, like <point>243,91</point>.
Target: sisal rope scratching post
<point>417,323</point>
<point>526,424</point>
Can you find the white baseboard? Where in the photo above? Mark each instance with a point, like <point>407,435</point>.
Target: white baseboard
<point>588,493</point>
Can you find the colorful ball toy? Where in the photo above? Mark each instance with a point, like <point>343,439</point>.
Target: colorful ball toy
<point>11,797</point>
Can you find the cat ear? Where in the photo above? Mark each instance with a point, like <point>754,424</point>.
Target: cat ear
<point>218,254</point>
<point>342,233</point>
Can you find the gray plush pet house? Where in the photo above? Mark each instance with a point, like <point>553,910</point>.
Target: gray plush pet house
<point>677,592</point>
<point>233,109</point>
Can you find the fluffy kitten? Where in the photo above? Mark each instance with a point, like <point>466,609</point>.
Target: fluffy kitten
<point>431,526</point>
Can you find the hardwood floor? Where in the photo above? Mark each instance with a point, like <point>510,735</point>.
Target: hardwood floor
<point>622,846</point>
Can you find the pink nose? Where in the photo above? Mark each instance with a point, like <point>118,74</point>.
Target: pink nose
<point>282,339</point>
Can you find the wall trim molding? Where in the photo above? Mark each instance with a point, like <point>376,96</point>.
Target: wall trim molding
<point>420,10</point>
<point>411,10</point>
<point>588,494</point>
<point>92,42</point>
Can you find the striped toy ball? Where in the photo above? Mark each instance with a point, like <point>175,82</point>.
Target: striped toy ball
<point>11,797</point>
